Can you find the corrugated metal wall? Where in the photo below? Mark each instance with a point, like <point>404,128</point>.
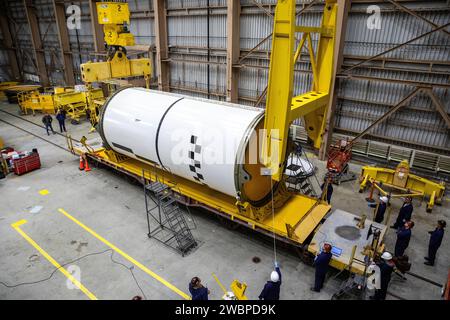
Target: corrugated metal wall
<point>425,60</point>
<point>360,100</point>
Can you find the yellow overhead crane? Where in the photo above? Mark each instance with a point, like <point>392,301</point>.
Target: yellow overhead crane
<point>296,217</point>
<point>115,18</point>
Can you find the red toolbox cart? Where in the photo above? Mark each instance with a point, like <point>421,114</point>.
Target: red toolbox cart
<point>27,164</point>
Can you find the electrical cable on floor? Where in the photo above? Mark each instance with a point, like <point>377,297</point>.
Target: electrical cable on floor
<point>54,271</point>
<point>130,269</point>
<point>76,260</point>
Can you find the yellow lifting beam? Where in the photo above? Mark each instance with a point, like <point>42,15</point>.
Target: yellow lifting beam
<point>407,183</point>
<point>115,18</point>
<point>281,108</point>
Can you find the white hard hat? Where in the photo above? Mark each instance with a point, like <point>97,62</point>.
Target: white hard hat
<point>386,256</point>
<point>384,199</point>
<point>274,277</point>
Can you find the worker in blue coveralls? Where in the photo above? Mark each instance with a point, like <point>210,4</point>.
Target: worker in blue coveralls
<point>404,214</point>
<point>381,209</point>
<point>386,266</point>
<point>271,290</point>
<point>197,290</point>
<point>321,264</point>
<point>328,183</point>
<point>61,117</point>
<point>403,237</point>
<point>435,242</point>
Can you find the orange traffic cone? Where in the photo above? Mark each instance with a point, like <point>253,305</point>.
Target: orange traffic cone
<point>81,163</point>
<point>87,166</point>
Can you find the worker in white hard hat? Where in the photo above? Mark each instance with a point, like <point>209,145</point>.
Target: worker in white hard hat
<point>381,209</point>
<point>271,290</point>
<point>386,266</point>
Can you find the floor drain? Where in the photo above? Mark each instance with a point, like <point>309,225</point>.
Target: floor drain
<point>256,260</point>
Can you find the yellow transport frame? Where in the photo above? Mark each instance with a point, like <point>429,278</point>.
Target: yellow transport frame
<point>293,223</point>
<point>414,186</point>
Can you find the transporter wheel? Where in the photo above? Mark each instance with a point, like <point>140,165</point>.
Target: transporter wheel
<point>305,256</point>
<point>227,223</point>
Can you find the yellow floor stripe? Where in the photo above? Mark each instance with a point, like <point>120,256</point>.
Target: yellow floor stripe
<point>126,256</point>
<point>17,225</point>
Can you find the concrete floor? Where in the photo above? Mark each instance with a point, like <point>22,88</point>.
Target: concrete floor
<point>114,208</point>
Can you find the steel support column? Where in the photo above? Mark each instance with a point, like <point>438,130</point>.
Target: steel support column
<point>341,27</point>
<point>39,54</point>
<point>8,43</point>
<point>162,48</point>
<point>64,44</point>
<point>233,49</point>
<point>97,30</point>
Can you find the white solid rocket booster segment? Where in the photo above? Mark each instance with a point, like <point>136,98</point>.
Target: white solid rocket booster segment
<point>204,141</point>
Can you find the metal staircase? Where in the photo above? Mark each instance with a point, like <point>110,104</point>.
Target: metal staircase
<point>298,180</point>
<point>162,207</point>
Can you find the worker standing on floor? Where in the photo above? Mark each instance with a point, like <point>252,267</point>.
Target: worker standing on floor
<point>403,237</point>
<point>61,117</point>
<point>47,121</point>
<point>435,242</point>
<point>321,264</point>
<point>327,187</point>
<point>381,209</point>
<point>197,290</point>
<point>404,214</point>
<point>271,290</point>
<point>386,266</point>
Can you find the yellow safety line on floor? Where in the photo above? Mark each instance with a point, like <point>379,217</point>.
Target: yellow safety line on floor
<point>126,256</point>
<point>44,192</point>
<point>17,225</point>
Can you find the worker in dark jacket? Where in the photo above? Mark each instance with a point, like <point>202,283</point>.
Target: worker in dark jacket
<point>321,264</point>
<point>61,117</point>
<point>271,290</point>
<point>403,237</point>
<point>47,121</point>
<point>197,290</point>
<point>435,242</point>
<point>328,183</point>
<point>404,214</point>
<point>386,266</point>
<point>381,209</point>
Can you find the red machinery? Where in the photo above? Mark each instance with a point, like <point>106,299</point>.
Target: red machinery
<point>339,155</point>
